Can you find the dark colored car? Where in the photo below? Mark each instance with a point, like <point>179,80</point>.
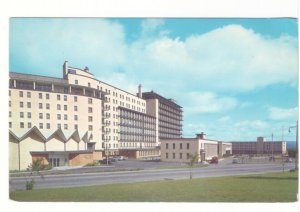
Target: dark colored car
<point>106,161</point>
<point>214,160</point>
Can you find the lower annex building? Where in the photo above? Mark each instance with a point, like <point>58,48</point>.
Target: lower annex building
<point>258,147</point>
<point>180,149</point>
<point>78,119</point>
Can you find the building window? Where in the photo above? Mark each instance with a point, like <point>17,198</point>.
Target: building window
<point>48,125</point>
<point>40,106</point>
<point>188,146</point>
<point>173,145</point>
<point>75,117</point>
<point>58,117</point>
<point>76,82</point>
<point>173,155</point>
<point>21,104</point>
<point>65,126</point>
<point>29,124</point>
<point>65,107</point>
<point>75,98</point>
<point>65,98</point>
<point>28,104</point>
<point>75,126</point>
<point>20,93</point>
<point>47,115</point>
<point>9,113</point>
<point>40,95</point>
<point>89,84</point>
<point>167,146</point>
<point>28,94</point>
<point>58,106</point>
<point>187,155</point>
<point>47,96</point>
<point>9,103</point>
<point>90,118</point>
<point>47,106</point>
<point>40,116</point>
<point>180,145</point>
<point>41,125</point>
<point>90,101</point>
<point>10,125</point>
<point>90,127</point>
<point>28,115</point>
<point>21,114</point>
<point>58,97</point>
<point>180,155</point>
<point>167,155</point>
<point>58,126</point>
<point>75,108</point>
<point>90,109</point>
<point>65,117</point>
<point>21,124</point>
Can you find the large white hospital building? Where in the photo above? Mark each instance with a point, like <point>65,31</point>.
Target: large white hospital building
<point>78,119</point>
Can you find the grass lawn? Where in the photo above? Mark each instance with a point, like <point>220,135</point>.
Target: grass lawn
<point>272,187</point>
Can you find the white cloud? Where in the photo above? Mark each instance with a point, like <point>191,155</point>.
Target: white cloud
<point>228,58</point>
<point>208,102</point>
<point>224,119</point>
<point>151,25</point>
<point>251,125</point>
<point>276,113</point>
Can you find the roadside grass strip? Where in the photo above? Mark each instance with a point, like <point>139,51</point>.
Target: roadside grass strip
<point>271,187</point>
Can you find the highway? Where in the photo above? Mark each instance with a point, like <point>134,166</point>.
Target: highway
<point>89,179</point>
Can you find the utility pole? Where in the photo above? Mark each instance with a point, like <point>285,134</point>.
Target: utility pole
<point>272,148</point>
<point>296,156</point>
<point>296,153</point>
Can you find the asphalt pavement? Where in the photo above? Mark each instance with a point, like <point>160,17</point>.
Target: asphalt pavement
<point>101,178</point>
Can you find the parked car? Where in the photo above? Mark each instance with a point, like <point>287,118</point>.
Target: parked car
<point>107,161</point>
<point>214,160</point>
<point>112,159</point>
<point>288,160</point>
<point>235,160</point>
<point>119,158</point>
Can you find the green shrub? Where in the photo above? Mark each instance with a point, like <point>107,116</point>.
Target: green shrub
<point>30,184</point>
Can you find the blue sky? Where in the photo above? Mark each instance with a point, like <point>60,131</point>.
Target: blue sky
<point>236,79</point>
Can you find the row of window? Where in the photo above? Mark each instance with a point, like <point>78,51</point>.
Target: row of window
<point>180,146</point>
<point>180,155</point>
<point>58,106</point>
<point>90,100</point>
<point>168,108</point>
<point>48,126</point>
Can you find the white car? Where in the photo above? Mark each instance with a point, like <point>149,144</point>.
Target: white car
<point>235,160</point>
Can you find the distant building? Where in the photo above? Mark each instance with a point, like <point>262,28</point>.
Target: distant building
<point>180,149</point>
<point>259,147</point>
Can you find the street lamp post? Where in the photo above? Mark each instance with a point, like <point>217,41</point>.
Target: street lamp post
<point>296,154</point>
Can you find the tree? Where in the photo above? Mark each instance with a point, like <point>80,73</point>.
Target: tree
<point>193,159</point>
<point>35,167</point>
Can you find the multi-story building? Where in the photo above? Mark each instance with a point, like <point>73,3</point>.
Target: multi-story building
<point>180,149</point>
<point>77,119</point>
<point>168,115</point>
<point>259,147</point>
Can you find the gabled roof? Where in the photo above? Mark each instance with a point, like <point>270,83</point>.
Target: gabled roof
<point>46,135</point>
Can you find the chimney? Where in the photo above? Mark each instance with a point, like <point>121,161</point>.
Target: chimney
<point>65,69</point>
<point>140,91</point>
<point>201,135</point>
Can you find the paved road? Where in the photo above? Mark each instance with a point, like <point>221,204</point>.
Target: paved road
<point>89,179</point>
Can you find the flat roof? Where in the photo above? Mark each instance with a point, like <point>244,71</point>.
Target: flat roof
<point>32,77</point>
<point>153,95</point>
<point>133,111</point>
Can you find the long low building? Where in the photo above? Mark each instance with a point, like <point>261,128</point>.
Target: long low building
<point>258,147</point>
<point>180,149</point>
